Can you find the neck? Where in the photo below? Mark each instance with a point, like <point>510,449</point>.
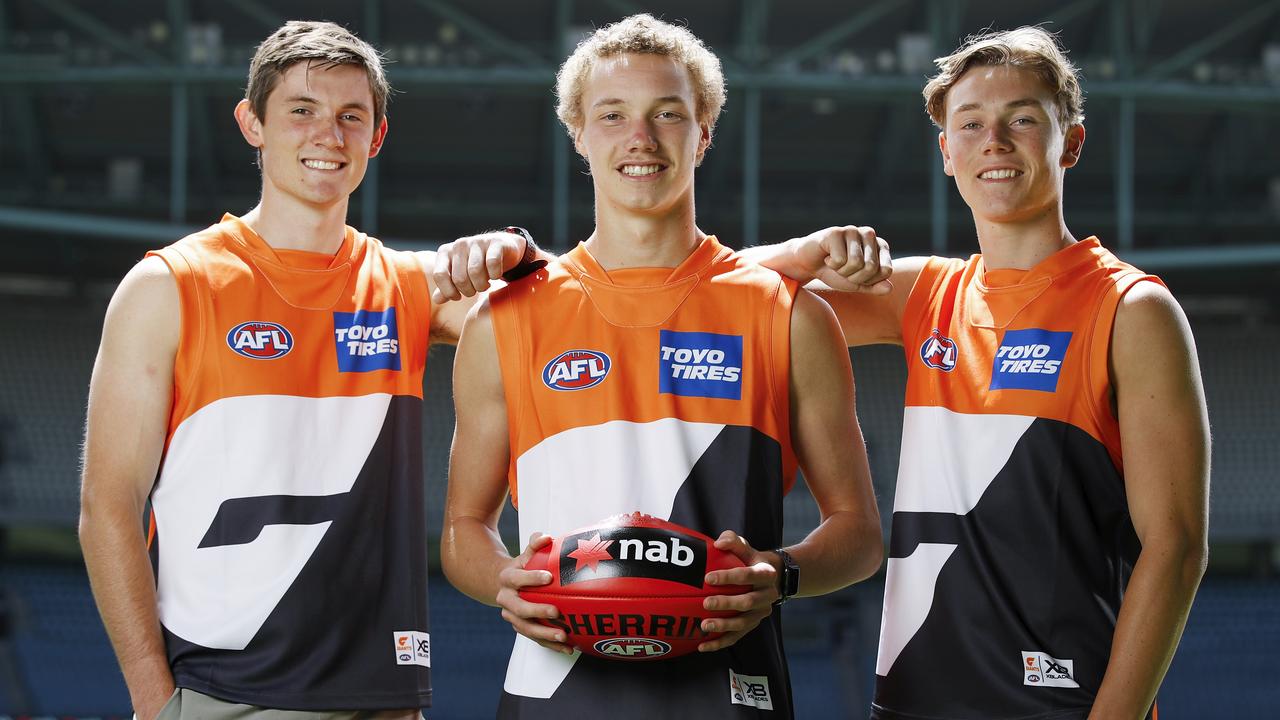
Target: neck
<point>625,239</point>
<point>1022,244</point>
<point>287,224</point>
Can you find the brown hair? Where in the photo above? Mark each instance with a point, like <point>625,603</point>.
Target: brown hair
<point>1032,48</point>
<point>646,35</point>
<point>323,45</point>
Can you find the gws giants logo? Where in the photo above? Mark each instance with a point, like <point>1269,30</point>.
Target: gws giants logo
<point>634,648</point>
<point>1042,670</point>
<point>576,370</point>
<point>413,648</point>
<point>939,352</point>
<point>260,340</point>
<point>750,690</point>
<point>633,552</point>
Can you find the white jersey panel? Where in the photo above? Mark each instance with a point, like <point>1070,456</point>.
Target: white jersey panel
<point>908,588</point>
<point>584,475</point>
<point>948,459</point>
<point>218,597</point>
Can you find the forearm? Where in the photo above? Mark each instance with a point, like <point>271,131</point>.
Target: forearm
<point>844,549</point>
<point>124,588</point>
<point>473,554</point>
<point>778,257</point>
<point>1152,617</point>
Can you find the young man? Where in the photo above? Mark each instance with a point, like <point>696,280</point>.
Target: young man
<point>714,377</point>
<point>260,383</point>
<point>1035,570</point>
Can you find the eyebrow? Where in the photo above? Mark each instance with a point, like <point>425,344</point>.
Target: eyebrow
<point>313,101</point>
<point>1022,102</point>
<point>619,101</point>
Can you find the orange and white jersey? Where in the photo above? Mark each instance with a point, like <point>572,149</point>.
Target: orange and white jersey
<point>288,518</point>
<point>660,391</point>
<point>1011,540</point>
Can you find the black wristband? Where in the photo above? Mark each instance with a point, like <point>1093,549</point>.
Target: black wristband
<point>529,262</point>
<point>788,577</point>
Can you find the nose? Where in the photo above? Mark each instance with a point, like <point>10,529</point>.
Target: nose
<point>997,140</point>
<point>328,134</point>
<point>641,138</point>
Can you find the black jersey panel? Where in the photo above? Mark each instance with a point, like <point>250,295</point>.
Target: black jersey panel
<point>736,484</point>
<point>1039,567</point>
<point>329,644</point>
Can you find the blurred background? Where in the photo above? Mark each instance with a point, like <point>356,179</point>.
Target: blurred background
<point>116,135</point>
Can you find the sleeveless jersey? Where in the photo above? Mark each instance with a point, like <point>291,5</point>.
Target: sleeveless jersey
<point>661,391</point>
<point>1011,542</point>
<point>288,525</point>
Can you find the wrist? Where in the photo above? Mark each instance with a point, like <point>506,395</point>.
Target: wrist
<point>529,260</point>
<point>788,576</point>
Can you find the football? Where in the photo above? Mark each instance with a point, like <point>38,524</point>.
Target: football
<point>631,587</point>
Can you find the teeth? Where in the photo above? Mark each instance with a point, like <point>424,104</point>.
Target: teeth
<point>321,165</point>
<point>999,174</point>
<point>640,170</point>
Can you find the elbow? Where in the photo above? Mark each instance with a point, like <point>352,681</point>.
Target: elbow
<point>871,553</point>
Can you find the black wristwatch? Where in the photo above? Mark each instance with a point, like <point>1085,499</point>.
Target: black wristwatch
<point>788,577</point>
<point>529,262</point>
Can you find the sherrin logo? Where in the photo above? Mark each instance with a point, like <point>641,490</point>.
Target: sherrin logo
<point>632,648</point>
<point>260,340</point>
<point>576,370</point>
<point>939,352</point>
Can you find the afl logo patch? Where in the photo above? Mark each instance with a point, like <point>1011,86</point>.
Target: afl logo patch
<point>576,370</point>
<point>260,340</point>
<point>939,352</point>
<point>629,647</point>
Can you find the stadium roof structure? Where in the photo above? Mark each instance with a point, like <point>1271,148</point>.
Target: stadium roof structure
<point>118,135</point>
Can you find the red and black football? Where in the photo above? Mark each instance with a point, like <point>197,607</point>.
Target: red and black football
<point>631,587</point>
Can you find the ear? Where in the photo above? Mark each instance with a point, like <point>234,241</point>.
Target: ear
<point>704,142</point>
<point>250,125</point>
<point>946,156</point>
<point>1072,145</point>
<point>577,143</point>
<point>379,136</point>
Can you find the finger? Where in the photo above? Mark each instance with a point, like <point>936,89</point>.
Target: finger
<point>477,272</point>
<point>721,642</point>
<point>547,636</point>
<point>836,245</point>
<point>511,602</point>
<point>854,260</point>
<point>886,259</point>
<point>756,600</point>
<point>443,277</point>
<point>757,574</point>
<point>517,577</point>
<point>741,623</point>
<point>729,541</point>
<point>458,271</point>
<point>870,252</point>
<point>493,259</point>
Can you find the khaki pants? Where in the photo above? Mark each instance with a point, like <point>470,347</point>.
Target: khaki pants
<point>190,705</point>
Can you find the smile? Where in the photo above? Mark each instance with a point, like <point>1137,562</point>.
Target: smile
<point>640,170</point>
<point>1003,174</point>
<point>322,164</point>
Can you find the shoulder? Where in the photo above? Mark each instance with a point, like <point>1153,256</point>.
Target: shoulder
<point>150,281</point>
<point>1147,307</point>
<point>1150,333</point>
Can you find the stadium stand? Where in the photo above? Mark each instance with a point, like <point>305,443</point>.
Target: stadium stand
<point>58,641</point>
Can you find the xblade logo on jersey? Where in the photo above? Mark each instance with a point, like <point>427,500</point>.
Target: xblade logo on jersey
<point>366,340</point>
<point>750,690</point>
<point>633,552</point>
<point>576,370</point>
<point>1029,360</point>
<point>700,364</point>
<point>939,352</point>
<point>413,648</point>
<point>1041,670</point>
<point>260,340</point>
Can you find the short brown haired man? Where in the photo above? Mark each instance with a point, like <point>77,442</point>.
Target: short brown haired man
<point>259,383</point>
<point>1049,525</point>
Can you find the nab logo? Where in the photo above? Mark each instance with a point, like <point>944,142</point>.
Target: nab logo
<point>260,340</point>
<point>640,552</point>
<point>939,352</point>
<point>576,370</point>
<point>633,648</point>
<point>1029,360</point>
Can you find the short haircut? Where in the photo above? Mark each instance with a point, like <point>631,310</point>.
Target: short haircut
<point>321,44</point>
<point>642,34</point>
<point>1032,48</point>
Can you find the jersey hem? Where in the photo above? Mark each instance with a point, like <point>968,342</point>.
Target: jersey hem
<point>881,713</point>
<point>311,701</point>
